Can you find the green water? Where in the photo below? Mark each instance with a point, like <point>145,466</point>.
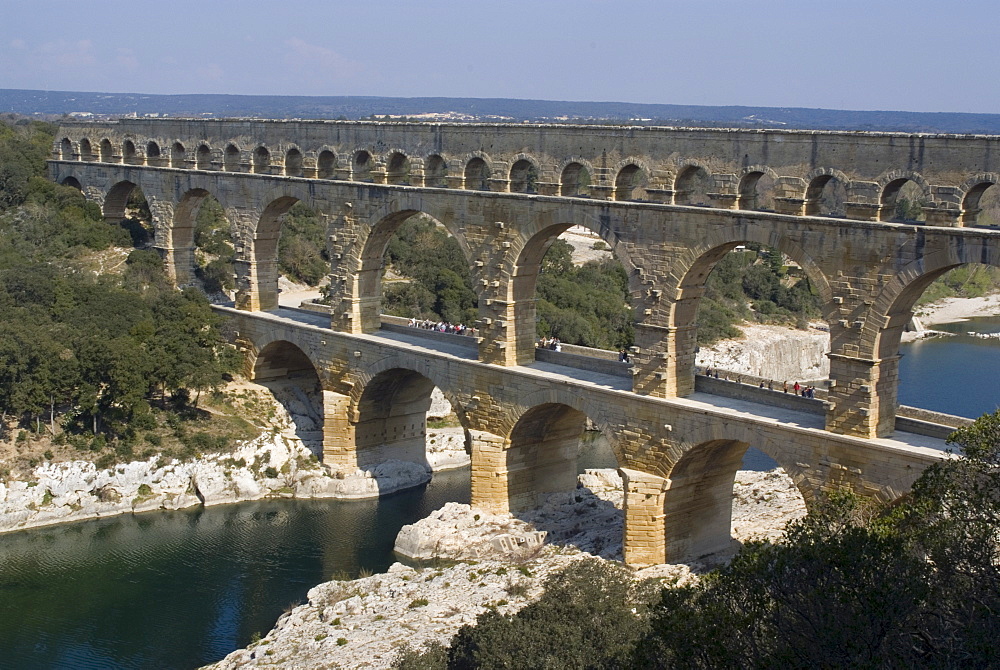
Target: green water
<point>182,589</point>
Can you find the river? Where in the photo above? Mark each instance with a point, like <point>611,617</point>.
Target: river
<point>182,589</point>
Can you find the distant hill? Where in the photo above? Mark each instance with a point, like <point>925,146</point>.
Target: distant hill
<point>486,109</point>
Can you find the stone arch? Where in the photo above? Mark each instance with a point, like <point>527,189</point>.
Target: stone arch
<point>203,157</point>
<point>72,181</point>
<point>397,168</point>
<point>153,156</point>
<point>972,190</point>
<point>368,269</point>
<point>86,151</point>
<point>326,164</point>
<point>389,412</point>
<point>232,158</point>
<point>435,171</point>
<point>261,160</point>
<point>697,509</point>
<point>753,189</point>
<point>597,414</point>
<point>65,149</point>
<point>178,156</point>
<point>107,151</point>
<point>478,172</point>
<point>575,177</point>
<point>116,200</point>
<point>523,175</point>
<point>692,183</point>
<point>891,184</point>
<point>631,177</point>
<point>129,154</point>
<point>525,262</point>
<point>295,382</point>
<point>362,164</point>
<point>181,260</point>
<point>293,162</point>
<point>826,192</point>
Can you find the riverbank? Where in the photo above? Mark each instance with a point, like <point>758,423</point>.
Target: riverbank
<point>950,310</point>
<point>365,623</point>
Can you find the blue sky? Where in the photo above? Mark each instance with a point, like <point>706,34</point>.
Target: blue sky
<point>843,54</point>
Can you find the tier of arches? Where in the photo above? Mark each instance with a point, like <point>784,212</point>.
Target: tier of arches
<point>897,195</point>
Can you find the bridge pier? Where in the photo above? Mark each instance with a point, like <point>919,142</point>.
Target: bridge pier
<point>862,396</point>
<point>339,451</point>
<point>489,472</point>
<point>644,540</point>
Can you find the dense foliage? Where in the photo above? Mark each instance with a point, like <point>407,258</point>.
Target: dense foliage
<point>852,585</point>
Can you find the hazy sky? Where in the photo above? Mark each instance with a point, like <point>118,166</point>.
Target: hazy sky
<point>845,54</point>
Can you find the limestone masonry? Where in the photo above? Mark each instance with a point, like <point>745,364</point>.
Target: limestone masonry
<point>669,202</point>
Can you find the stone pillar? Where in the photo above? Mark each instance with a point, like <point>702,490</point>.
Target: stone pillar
<point>256,285</point>
<point>178,263</point>
<point>661,195</point>
<point>663,360</point>
<point>499,185</point>
<point>489,472</point>
<point>794,206</point>
<point>862,211</point>
<point>942,216</point>
<point>862,396</point>
<point>339,449</point>
<point>498,342</point>
<point>644,541</point>
<point>724,200</point>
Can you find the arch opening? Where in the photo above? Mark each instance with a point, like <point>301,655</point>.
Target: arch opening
<point>129,154</point>
<point>757,192</point>
<point>86,152</point>
<point>178,156</point>
<point>286,371</point>
<point>523,176</point>
<point>903,201</point>
<point>692,186</point>
<point>261,160</point>
<point>293,163</point>
<point>66,149</point>
<point>126,206</point>
<point>326,165</point>
<point>435,171</point>
<point>981,205</point>
<point>575,181</point>
<point>201,225</point>
<point>477,175</point>
<point>203,157</point>
<point>153,157</point>
<point>630,183</point>
<point>826,195</point>
<point>397,169</point>
<point>361,166</point>
<point>711,505</point>
<point>232,159</point>
<point>107,151</point>
<point>74,182</point>
<point>403,416</point>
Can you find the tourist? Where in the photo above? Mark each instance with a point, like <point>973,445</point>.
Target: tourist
<point>784,387</point>
<point>623,356</point>
<point>796,388</point>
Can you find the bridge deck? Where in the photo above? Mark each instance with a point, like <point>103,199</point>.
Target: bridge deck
<point>761,413</point>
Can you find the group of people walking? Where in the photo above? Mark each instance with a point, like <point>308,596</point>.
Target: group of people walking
<point>442,327</point>
<point>552,343</point>
<point>796,388</point>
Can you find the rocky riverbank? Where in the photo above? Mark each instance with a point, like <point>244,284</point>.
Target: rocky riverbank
<point>504,560</point>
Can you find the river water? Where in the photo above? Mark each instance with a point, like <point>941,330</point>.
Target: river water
<point>182,589</point>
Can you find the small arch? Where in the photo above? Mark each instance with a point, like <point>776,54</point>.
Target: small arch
<point>152,153</point>
<point>397,169</point>
<point>477,174</point>
<point>523,176</point>
<point>541,458</point>
<point>177,155</point>
<point>86,152</point>
<point>630,182</point>
<point>575,180</point>
<point>261,160</point>
<point>293,163</point>
<point>361,166</point>
<point>435,171</point>
<point>66,149</point>
<point>692,185</point>
<point>902,200</point>
<point>826,194</point>
<point>756,189</point>
<point>129,154</point>
<point>72,181</point>
<point>203,157</point>
<point>107,151</point>
<point>973,201</point>
<point>232,159</point>
<point>326,165</point>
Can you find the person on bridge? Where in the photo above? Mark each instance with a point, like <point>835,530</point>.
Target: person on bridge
<point>796,388</point>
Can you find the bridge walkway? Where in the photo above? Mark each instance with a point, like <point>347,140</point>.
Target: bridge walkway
<point>759,412</point>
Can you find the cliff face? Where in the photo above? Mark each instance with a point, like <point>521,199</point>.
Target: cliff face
<point>772,352</point>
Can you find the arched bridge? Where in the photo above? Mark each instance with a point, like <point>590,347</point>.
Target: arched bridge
<point>505,193</point>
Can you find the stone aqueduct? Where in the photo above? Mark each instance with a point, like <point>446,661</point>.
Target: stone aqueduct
<point>669,203</point>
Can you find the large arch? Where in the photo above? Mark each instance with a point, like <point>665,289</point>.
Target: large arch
<point>180,244</point>
<point>116,200</point>
<point>292,378</point>
<point>260,287</point>
<point>368,272</point>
